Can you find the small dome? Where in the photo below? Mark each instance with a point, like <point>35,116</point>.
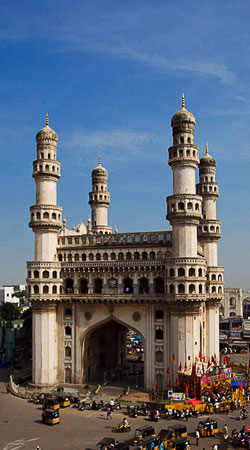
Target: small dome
<point>207,160</point>
<point>46,133</point>
<point>182,115</point>
<point>99,170</point>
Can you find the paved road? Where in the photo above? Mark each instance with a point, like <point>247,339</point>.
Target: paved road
<point>20,426</point>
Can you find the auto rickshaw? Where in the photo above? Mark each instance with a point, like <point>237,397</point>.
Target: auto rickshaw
<point>64,401</point>
<point>140,433</point>
<point>179,431</point>
<point>148,442</point>
<point>51,403</point>
<point>208,427</point>
<point>51,417</point>
<point>106,444</point>
<point>164,437</point>
<point>178,444</point>
<point>122,446</point>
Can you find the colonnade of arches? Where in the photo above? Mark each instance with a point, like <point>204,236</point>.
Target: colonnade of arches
<point>128,285</point>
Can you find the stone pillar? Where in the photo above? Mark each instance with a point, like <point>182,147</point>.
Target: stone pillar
<point>44,344</point>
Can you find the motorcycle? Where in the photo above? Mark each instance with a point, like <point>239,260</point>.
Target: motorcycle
<point>81,406</point>
<point>243,415</point>
<point>121,428</point>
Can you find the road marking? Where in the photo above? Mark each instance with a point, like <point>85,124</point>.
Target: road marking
<point>18,444</point>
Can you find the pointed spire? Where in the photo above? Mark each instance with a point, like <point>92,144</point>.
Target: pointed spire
<point>89,219</point>
<point>206,151</point>
<point>99,160</point>
<point>116,229</point>
<point>47,120</point>
<point>64,222</point>
<point>182,101</point>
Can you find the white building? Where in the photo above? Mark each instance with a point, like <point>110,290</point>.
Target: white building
<point>88,286</point>
<point>6,292</point>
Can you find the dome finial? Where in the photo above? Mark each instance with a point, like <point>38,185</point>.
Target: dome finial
<point>206,151</point>
<point>99,160</point>
<point>47,120</point>
<point>182,101</point>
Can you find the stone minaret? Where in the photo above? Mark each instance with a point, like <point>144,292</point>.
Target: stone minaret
<point>99,200</point>
<point>209,232</point>
<point>186,267</point>
<point>44,272</point>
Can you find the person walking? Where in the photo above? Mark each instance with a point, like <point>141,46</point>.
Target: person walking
<point>225,432</point>
<point>197,437</point>
<point>109,413</point>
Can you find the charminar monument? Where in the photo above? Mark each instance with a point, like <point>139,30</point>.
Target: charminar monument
<point>89,285</point>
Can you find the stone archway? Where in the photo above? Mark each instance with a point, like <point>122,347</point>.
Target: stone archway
<point>104,352</point>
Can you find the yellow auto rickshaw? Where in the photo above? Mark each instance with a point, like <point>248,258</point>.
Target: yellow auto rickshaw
<point>64,401</point>
<point>179,431</point>
<point>178,444</point>
<point>140,433</point>
<point>51,417</point>
<point>208,427</point>
<point>51,403</point>
<point>148,442</point>
<point>165,436</point>
<point>106,444</point>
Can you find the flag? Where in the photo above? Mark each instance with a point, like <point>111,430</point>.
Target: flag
<point>174,358</point>
<point>200,355</point>
<point>180,367</point>
<point>240,386</point>
<point>168,372</point>
<point>155,385</point>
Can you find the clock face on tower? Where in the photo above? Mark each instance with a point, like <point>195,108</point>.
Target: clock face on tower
<point>113,283</point>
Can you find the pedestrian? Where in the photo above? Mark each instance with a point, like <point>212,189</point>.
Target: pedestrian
<point>197,437</point>
<point>215,447</point>
<point>109,413</point>
<point>225,432</point>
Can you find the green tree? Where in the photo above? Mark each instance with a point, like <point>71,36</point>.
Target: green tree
<point>10,311</point>
<point>21,295</point>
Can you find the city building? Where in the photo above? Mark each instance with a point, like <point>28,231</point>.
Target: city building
<point>89,285</point>
<point>7,291</point>
<point>231,303</point>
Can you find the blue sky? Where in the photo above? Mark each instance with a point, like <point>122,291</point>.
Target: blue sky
<point>110,74</point>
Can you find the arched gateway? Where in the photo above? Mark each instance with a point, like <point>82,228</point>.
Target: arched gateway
<point>87,285</point>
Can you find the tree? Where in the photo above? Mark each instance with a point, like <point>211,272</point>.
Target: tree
<point>20,295</point>
<point>10,311</point>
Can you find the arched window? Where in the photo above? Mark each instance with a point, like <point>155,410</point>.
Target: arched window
<point>36,289</point>
<point>171,288</point>
<point>113,256</point>
<point>68,285</point>
<point>191,272</point>
<point>29,273</point>
<point>182,140</point>
<point>181,272</point>
<point>159,334</point>
<point>232,301</point>
<point>191,289</point>
<point>128,256</point>
<point>54,289</point>
<point>190,205</point>
<point>83,288</point>
<point>60,257</point>
<point>181,206</point>
<point>45,289</point>
<point>91,257</point>
<point>105,256</point>
<point>144,256</point>
<point>219,290</point>
<point>213,278</point>
<point>159,356</point>
<point>67,375</point>
<point>69,257</point>
<point>200,288</point>
<point>128,286</point>
<point>36,274</point>
<point>38,215</point>
<point>159,285</point>
<point>143,286</point>
<point>54,216</point>
<point>54,274</point>
<point>45,274</point>
<point>219,277</point>
<point>171,272</point>
<point>97,286</point>
<point>181,289</point>
<point>83,256</point>
<point>68,331</point>
<point>152,255</point>
<point>68,313</point>
<point>197,207</point>
<point>46,215</point>
<point>98,257</point>
<point>136,256</point>
<point>77,257</point>
<point>214,289</point>
<point>200,272</point>
<point>67,352</point>
<point>159,314</point>
<point>120,256</point>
